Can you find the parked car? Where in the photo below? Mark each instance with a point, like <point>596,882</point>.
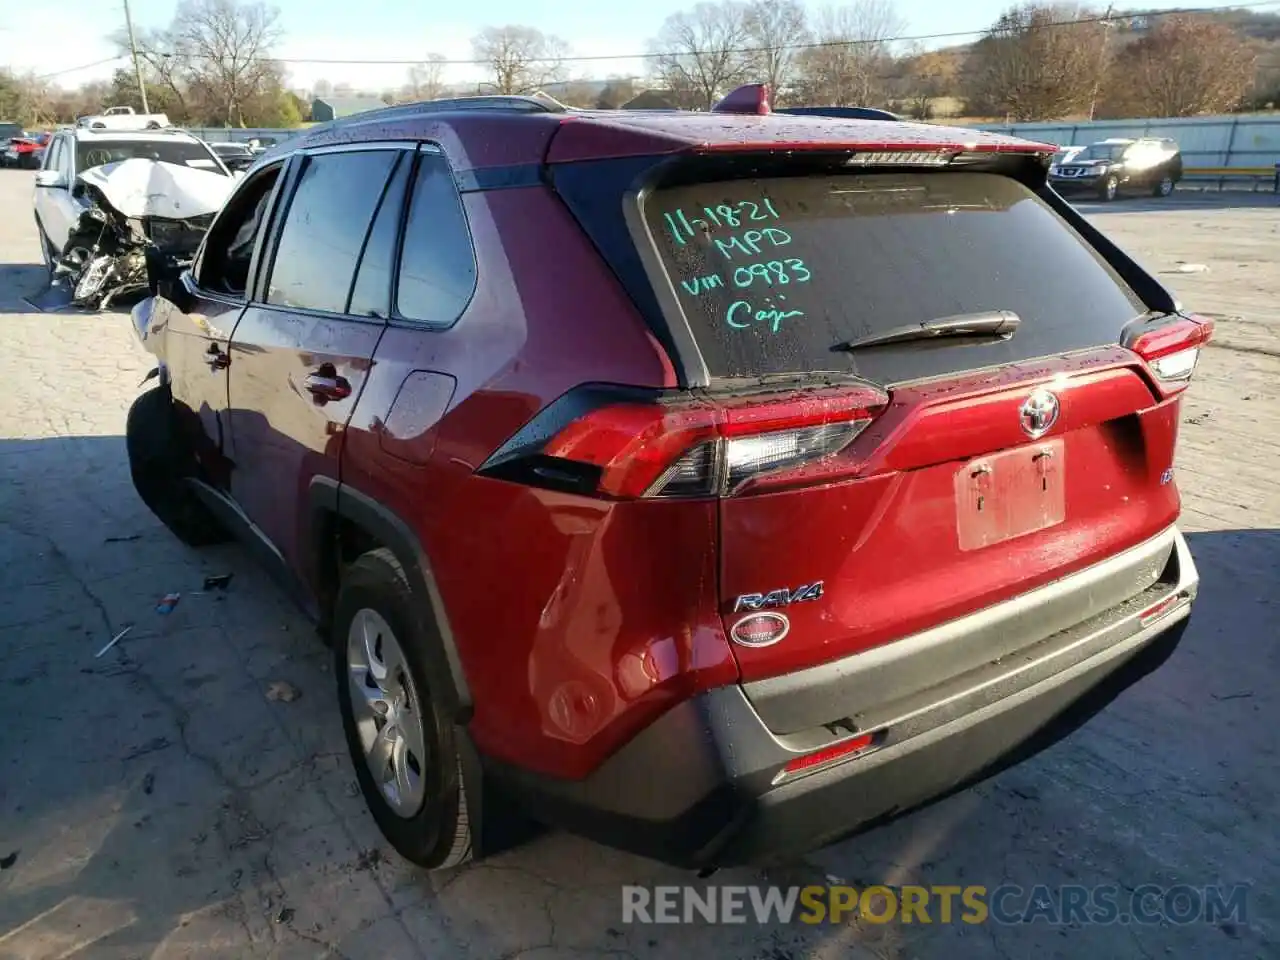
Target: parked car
<point>9,131</point>
<point>237,156</point>
<point>102,196</point>
<point>709,484</point>
<point>1109,168</point>
<point>26,151</point>
<point>123,118</point>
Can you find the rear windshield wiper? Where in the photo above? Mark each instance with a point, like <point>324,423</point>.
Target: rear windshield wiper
<point>988,323</point>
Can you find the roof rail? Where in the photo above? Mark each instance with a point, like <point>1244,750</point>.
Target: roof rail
<point>847,113</point>
<point>512,104</point>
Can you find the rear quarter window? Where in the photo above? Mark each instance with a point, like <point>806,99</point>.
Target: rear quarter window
<point>772,275</point>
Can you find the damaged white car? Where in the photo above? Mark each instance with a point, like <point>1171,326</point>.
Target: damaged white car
<point>106,202</point>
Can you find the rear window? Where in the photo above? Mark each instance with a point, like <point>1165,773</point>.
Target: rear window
<point>773,274</point>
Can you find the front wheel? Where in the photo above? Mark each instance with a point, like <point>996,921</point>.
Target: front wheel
<point>1110,189</point>
<point>403,747</point>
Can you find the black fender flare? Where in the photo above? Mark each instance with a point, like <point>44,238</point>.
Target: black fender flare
<point>389,529</point>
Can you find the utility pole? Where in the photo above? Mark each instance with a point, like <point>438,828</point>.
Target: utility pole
<point>137,68</point>
<point>1102,61</point>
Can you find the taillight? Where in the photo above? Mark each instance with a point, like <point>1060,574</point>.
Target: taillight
<point>1172,349</point>
<point>686,446</point>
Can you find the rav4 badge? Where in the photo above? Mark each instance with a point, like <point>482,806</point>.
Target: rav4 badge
<point>782,597</point>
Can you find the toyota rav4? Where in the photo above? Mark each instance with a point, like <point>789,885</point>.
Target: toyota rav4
<point>712,485</point>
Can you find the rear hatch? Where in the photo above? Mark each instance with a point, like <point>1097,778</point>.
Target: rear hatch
<point>873,479</point>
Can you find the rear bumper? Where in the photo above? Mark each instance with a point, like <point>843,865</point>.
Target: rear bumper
<point>703,786</point>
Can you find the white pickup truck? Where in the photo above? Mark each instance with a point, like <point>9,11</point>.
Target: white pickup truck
<point>123,118</point>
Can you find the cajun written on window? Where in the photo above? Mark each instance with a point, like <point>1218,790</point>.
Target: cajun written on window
<point>773,275</point>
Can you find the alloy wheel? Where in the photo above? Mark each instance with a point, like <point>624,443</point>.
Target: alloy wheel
<point>387,712</point>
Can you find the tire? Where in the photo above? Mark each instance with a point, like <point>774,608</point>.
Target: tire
<point>159,462</point>
<point>433,831</point>
<point>1110,189</point>
<point>1164,187</point>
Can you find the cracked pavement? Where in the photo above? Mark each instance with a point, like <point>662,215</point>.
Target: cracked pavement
<point>160,805</point>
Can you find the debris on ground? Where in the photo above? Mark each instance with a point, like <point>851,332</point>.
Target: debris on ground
<point>9,861</point>
<point>1192,268</point>
<point>285,915</point>
<point>220,582</point>
<point>1199,418</point>
<point>168,602</point>
<point>129,539</point>
<point>148,783</point>
<point>282,691</point>
<point>368,859</point>
<point>114,640</point>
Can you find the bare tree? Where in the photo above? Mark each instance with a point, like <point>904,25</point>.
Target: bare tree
<point>1185,66</point>
<point>227,44</point>
<point>856,53</point>
<point>520,59</point>
<point>1035,62</point>
<point>699,53</point>
<point>214,58</point>
<point>927,77</point>
<point>426,79</point>
<point>774,29</point>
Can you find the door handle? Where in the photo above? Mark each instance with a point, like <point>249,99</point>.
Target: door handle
<point>216,359</point>
<point>327,386</point>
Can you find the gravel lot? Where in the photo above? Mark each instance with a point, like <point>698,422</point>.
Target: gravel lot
<point>161,805</point>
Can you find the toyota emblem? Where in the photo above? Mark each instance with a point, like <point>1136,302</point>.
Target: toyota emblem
<point>1038,414</point>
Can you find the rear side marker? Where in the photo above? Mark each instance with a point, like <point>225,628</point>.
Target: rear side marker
<point>828,757</point>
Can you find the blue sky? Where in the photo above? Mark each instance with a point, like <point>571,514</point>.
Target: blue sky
<point>402,29</point>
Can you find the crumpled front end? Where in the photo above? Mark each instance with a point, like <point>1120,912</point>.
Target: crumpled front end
<point>139,210</point>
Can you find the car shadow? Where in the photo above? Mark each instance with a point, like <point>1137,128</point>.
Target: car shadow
<point>160,801</point>
<point>19,281</point>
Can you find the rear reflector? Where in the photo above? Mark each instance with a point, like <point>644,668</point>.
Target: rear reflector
<point>690,446</point>
<point>1172,349</point>
<point>827,757</point>
<point>1162,609</point>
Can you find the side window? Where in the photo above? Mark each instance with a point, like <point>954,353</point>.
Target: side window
<point>52,153</point>
<point>65,154</point>
<point>437,264</point>
<point>228,249</point>
<point>371,294</point>
<point>325,228</point>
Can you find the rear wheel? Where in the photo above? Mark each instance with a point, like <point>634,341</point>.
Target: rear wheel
<point>159,463</point>
<point>1164,187</point>
<point>403,747</point>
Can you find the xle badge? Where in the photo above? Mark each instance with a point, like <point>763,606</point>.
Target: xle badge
<point>782,597</point>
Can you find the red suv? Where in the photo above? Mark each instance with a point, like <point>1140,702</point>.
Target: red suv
<point>712,485</point>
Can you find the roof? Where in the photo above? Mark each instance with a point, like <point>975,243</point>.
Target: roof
<point>484,132</point>
<point>348,106</point>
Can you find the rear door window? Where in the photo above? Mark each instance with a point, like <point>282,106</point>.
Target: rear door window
<point>325,228</point>
<point>773,275</point>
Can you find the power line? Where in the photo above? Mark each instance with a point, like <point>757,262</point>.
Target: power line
<point>83,66</point>
<point>812,45</point>
<point>653,55</point>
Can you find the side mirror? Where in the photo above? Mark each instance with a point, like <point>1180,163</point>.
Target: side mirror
<point>53,179</point>
<point>169,279</point>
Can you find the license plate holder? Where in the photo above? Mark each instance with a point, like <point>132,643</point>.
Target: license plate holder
<point>1010,494</point>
